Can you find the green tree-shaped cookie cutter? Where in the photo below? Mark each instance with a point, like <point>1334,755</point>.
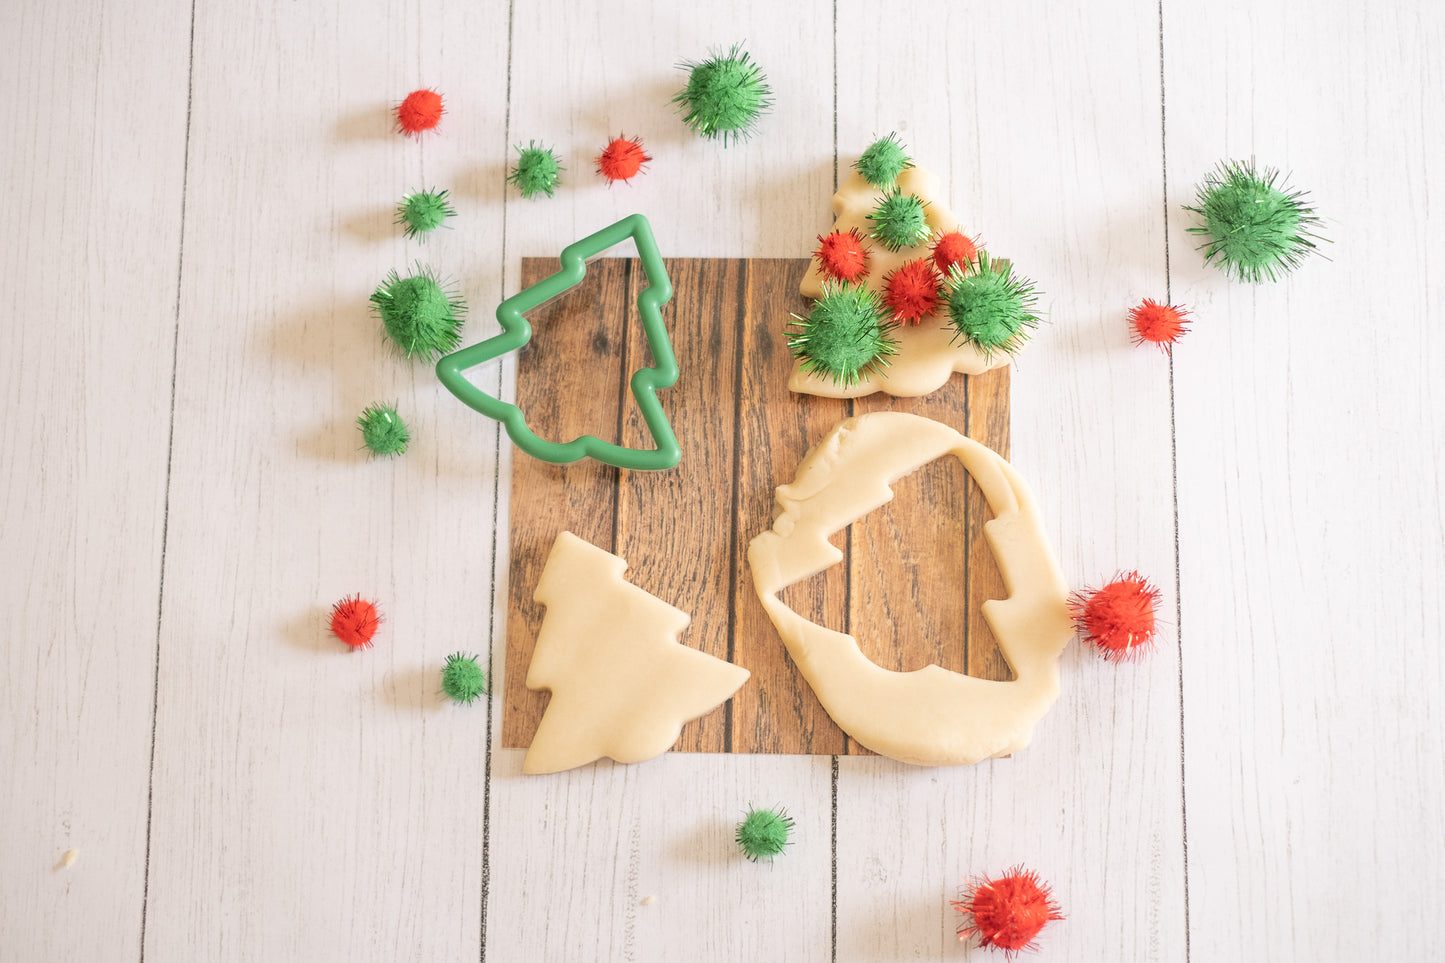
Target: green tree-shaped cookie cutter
<point>516,332</point>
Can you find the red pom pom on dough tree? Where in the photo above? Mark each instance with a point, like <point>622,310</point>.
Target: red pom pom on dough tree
<point>841,255</point>
<point>421,111</point>
<point>1119,617</point>
<point>929,350</point>
<point>954,249</point>
<point>1007,913</point>
<point>913,291</point>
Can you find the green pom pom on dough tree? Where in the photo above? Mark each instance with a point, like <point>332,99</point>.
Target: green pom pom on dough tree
<point>883,161</point>
<point>537,170</point>
<point>419,314</point>
<point>724,97</point>
<point>899,221</point>
<point>764,833</point>
<point>463,678</point>
<point>1257,230</point>
<point>845,335</point>
<point>423,212</point>
<point>990,308</point>
<point>382,430</point>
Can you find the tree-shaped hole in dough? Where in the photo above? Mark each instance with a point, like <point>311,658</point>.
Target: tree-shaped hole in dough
<point>930,716</point>
<point>914,587</point>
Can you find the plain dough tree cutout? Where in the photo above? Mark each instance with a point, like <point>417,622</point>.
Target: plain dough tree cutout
<point>621,685</point>
<point>926,353</point>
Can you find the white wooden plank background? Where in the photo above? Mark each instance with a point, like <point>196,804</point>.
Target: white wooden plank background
<point>201,195</point>
<point>1311,452</point>
<point>93,155</point>
<point>1081,217</point>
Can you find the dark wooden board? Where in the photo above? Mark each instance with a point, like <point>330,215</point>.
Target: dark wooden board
<point>914,573</point>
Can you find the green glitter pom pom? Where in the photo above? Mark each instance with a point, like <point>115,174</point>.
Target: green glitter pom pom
<point>989,308</point>
<point>764,833</point>
<point>845,336</point>
<point>883,161</point>
<point>899,221</point>
<point>724,97</point>
<point>537,170</point>
<point>423,212</point>
<point>382,430</point>
<point>418,314</point>
<point>463,679</point>
<point>1255,229</point>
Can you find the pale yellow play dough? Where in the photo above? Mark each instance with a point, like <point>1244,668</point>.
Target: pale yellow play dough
<point>926,354</point>
<point>621,684</point>
<point>931,716</point>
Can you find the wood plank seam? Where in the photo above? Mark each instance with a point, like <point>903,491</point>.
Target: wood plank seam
<point>166,504</point>
<point>1174,482</point>
<point>679,529</point>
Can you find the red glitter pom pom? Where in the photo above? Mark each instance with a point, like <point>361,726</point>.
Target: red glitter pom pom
<point>953,248</point>
<point>1118,618</point>
<point>354,621</point>
<point>1161,324</point>
<point>622,159</point>
<point>1008,912</point>
<point>841,255</point>
<point>422,110</point>
<point>912,291</point>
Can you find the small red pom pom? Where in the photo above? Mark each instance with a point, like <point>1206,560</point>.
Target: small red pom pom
<point>1118,618</point>
<point>422,110</point>
<point>841,255</point>
<point>1161,324</point>
<point>354,621</point>
<point>912,291</point>
<point>1008,912</point>
<point>953,248</point>
<point>622,159</point>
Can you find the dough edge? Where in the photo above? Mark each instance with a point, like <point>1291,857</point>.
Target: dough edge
<point>931,716</point>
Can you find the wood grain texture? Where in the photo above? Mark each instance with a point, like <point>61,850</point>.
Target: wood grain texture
<point>676,527</point>
<point>775,430</point>
<point>920,566</point>
<point>313,805</point>
<point>93,156</point>
<point>311,802</point>
<point>685,531</point>
<point>584,849</point>
<point>1312,544</point>
<point>572,86</point>
<point>1055,160</point>
<point>580,330</point>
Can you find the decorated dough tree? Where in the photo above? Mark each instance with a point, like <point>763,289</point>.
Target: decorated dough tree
<point>904,298</point>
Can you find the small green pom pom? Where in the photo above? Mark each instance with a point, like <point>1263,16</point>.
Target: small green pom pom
<point>537,170</point>
<point>463,679</point>
<point>845,336</point>
<point>418,314</point>
<point>899,221</point>
<point>988,308</point>
<point>883,161</point>
<point>724,97</point>
<point>1256,230</point>
<point>423,211</point>
<point>764,833</point>
<point>382,430</point>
